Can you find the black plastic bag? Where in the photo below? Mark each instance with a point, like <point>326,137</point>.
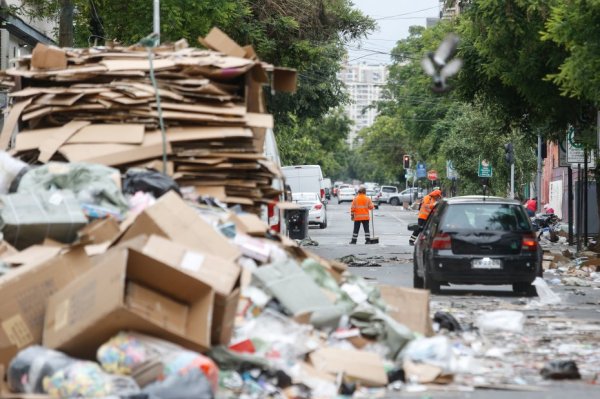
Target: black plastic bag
<point>561,370</point>
<point>192,385</point>
<point>446,321</point>
<point>27,370</point>
<point>148,181</point>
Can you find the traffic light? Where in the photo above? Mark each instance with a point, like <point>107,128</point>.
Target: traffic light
<point>406,161</point>
<point>509,154</point>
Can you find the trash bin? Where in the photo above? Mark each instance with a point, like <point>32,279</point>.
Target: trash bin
<point>297,223</point>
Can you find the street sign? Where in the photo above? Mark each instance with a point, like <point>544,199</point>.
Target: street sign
<point>410,174</point>
<point>576,152</point>
<point>432,175</point>
<point>562,154</point>
<point>421,170</point>
<point>485,169</point>
<point>451,173</point>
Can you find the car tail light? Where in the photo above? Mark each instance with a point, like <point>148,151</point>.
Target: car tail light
<point>273,216</point>
<point>529,242</point>
<point>322,193</point>
<point>318,206</point>
<point>442,241</point>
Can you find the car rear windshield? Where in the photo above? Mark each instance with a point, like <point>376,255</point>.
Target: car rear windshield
<point>493,217</point>
<point>389,190</point>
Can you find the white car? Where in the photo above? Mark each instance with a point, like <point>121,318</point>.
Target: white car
<point>317,213</point>
<point>346,194</point>
<point>385,192</point>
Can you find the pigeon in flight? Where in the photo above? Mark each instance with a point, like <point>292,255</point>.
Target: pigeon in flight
<point>440,66</point>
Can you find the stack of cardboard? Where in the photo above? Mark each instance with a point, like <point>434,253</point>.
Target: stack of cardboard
<point>99,105</point>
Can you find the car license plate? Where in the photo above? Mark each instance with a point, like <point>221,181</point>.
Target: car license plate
<point>487,263</point>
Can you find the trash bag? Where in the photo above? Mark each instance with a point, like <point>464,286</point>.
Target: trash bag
<point>436,351</point>
<point>84,379</point>
<point>191,385</point>
<point>545,293</point>
<point>446,321</point>
<point>561,370</point>
<point>148,181</point>
<point>28,369</point>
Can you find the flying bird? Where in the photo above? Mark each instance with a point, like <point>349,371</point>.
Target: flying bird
<point>440,66</point>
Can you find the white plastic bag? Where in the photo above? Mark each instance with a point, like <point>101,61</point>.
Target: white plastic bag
<point>545,293</point>
<point>501,320</point>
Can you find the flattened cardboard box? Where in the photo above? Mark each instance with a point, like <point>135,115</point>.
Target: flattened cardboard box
<point>25,293</point>
<point>408,306</point>
<point>173,218</point>
<point>364,367</point>
<point>222,275</point>
<point>90,310</point>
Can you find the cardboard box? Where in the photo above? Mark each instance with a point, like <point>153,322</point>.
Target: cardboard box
<point>173,218</point>
<point>25,293</point>
<point>222,275</point>
<point>408,306</point>
<point>48,57</point>
<point>29,218</point>
<point>89,311</point>
<point>363,367</point>
<point>159,308</point>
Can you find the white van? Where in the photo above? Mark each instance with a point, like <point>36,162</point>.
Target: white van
<point>305,179</point>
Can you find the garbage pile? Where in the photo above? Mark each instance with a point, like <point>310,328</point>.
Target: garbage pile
<point>104,105</point>
<point>569,270</point>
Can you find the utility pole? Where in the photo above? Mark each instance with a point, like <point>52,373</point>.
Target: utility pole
<point>156,18</point>
<point>570,203</point>
<point>539,172</point>
<point>585,196</point>
<point>509,157</point>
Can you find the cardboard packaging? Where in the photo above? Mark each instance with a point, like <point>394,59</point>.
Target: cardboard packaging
<point>173,218</point>
<point>25,293</point>
<point>30,218</point>
<point>364,367</point>
<point>408,306</point>
<point>48,57</point>
<point>165,303</point>
<point>222,275</point>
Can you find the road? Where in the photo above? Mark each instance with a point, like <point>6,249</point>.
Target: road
<point>393,265</point>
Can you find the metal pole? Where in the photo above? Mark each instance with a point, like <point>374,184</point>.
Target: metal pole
<point>512,180</point>
<point>570,203</point>
<point>538,188</point>
<point>156,18</point>
<point>579,197</point>
<point>585,197</point>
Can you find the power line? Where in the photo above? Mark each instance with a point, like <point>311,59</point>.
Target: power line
<point>406,13</point>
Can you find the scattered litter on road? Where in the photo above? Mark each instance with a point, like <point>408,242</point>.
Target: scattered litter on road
<point>561,370</point>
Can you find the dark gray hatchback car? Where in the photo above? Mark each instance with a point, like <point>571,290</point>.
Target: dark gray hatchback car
<point>477,240</point>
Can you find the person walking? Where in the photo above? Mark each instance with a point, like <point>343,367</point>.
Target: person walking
<point>429,202</point>
<point>360,213</point>
<point>531,206</point>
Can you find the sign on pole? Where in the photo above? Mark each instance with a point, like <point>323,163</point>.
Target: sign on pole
<point>562,154</point>
<point>485,169</point>
<point>576,151</point>
<point>432,175</point>
<point>451,173</point>
<point>421,170</point>
<point>410,174</point>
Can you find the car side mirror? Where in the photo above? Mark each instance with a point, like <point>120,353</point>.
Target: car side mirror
<point>413,227</point>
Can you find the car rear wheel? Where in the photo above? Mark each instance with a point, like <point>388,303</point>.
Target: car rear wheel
<point>417,281</point>
<point>430,284</point>
<point>323,225</point>
<point>395,201</point>
<point>524,288</point>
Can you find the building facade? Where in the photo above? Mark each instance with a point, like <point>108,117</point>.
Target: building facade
<point>364,84</point>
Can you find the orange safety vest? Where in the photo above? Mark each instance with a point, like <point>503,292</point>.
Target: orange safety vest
<point>426,206</point>
<point>361,205</point>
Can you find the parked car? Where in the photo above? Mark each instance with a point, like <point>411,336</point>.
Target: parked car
<point>346,194</point>
<point>409,195</point>
<point>374,195</point>
<point>317,213</point>
<point>327,187</point>
<point>477,240</point>
<point>385,192</point>
<point>336,187</point>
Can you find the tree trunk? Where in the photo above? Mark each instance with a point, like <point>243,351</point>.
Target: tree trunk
<point>65,29</point>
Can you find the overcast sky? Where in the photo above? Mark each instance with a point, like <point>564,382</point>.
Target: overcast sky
<point>393,17</point>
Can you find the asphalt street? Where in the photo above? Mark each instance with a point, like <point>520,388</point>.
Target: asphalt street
<point>392,264</point>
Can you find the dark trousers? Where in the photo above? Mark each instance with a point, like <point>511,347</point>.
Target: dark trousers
<point>365,225</point>
<point>415,234</point>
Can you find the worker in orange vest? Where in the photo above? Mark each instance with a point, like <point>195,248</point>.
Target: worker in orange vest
<point>360,213</point>
<point>429,202</point>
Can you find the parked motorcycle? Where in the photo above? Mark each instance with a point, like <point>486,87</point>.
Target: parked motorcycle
<point>546,222</point>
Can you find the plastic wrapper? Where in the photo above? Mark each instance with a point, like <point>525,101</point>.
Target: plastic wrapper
<point>11,169</point>
<point>545,293</point>
<point>192,385</point>
<point>28,369</point>
<point>87,380</point>
<point>148,181</point>
<point>501,320</point>
<point>436,351</point>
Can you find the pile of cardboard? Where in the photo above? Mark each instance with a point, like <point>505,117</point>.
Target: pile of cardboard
<point>99,105</point>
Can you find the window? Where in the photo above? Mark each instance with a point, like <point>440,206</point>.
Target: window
<point>493,217</point>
